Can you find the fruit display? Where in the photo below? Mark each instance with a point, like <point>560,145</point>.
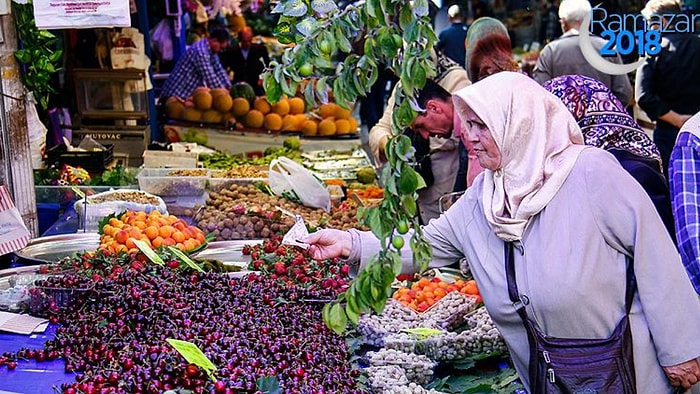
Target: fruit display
<point>243,211</point>
<point>239,107</point>
<point>254,330</point>
<point>223,161</point>
<point>155,229</point>
<point>292,266</point>
<point>426,292</point>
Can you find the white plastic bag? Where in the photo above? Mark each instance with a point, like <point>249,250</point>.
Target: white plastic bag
<point>288,176</point>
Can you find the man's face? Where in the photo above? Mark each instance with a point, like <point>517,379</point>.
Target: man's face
<point>437,120</point>
<point>244,39</point>
<point>217,46</point>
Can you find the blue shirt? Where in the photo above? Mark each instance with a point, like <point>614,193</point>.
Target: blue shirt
<point>199,66</point>
<point>451,42</point>
<point>684,174</point>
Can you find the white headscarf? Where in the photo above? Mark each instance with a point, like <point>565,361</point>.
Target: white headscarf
<point>539,142</point>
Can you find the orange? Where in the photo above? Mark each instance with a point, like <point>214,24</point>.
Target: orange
<point>168,241</point>
<point>178,236</point>
<point>296,105</point>
<point>262,105</point>
<point>157,242</point>
<point>254,119</point>
<point>281,107</point>
<point>241,107</point>
<point>140,224</point>
<point>273,122</point>
<point>151,232</point>
<point>327,110</point>
<point>122,236</point>
<point>309,127</point>
<point>166,231</point>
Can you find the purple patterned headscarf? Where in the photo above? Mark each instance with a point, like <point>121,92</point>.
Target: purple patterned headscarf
<point>601,115</point>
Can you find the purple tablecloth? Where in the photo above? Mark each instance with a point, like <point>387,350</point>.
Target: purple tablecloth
<point>31,377</point>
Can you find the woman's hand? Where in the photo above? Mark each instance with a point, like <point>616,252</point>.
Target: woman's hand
<point>684,374</point>
<point>329,243</point>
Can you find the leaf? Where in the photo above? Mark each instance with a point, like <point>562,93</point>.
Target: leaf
<point>322,89</point>
<point>342,41</point>
<point>278,9</point>
<point>306,26</point>
<point>337,318</point>
<point>309,95</point>
<point>408,182</point>
<point>295,8</point>
<point>283,32</point>
<point>403,147</point>
<point>420,8</point>
<point>272,88</point>
<point>405,17</point>
<point>409,205</point>
<point>352,314</point>
<point>23,55</point>
<point>324,6</point>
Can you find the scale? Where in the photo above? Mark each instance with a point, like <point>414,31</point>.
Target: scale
<point>113,110</point>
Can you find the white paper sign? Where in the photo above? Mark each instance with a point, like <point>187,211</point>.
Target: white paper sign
<point>76,14</point>
<point>296,233</point>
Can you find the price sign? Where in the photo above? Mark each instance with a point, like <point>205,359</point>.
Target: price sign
<point>150,254</point>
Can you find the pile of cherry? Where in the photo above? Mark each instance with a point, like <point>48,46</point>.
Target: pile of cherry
<point>114,339</point>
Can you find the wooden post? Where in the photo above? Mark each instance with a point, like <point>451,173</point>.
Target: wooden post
<point>16,166</point>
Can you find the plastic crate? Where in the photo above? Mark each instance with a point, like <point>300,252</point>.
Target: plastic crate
<point>157,181</point>
<point>89,160</point>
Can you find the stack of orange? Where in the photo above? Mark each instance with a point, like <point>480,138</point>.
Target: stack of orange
<point>426,292</point>
<point>155,229</point>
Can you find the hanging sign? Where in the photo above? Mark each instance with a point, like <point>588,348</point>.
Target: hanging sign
<point>76,14</point>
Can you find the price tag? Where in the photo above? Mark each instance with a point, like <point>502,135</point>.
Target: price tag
<point>193,355</point>
<point>143,247</point>
<point>422,332</point>
<point>185,258</point>
<point>297,232</point>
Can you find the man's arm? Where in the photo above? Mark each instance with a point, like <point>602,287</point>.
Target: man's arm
<point>543,69</point>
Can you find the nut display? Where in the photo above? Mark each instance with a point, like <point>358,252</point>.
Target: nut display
<point>411,388</point>
<point>394,318</point>
<point>242,171</point>
<point>450,311</point>
<point>135,196</point>
<point>418,368</point>
<point>385,377</point>
<point>400,341</point>
<point>202,172</point>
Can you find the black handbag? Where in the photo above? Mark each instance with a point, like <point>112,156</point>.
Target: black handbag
<point>567,365</point>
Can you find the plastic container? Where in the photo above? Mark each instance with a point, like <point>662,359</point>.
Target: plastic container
<point>53,299</point>
<point>169,159</point>
<point>158,181</point>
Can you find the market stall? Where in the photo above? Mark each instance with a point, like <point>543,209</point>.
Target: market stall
<point>432,337</point>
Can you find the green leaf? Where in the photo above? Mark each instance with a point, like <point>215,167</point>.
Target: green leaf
<point>306,26</point>
<point>405,114</point>
<point>352,313</point>
<point>272,88</point>
<point>23,55</point>
<point>322,89</point>
<point>405,17</point>
<point>283,32</point>
<point>324,6</point>
<point>295,8</point>
<point>409,204</point>
<point>420,7</point>
<point>338,319</point>
<point>342,41</point>
<point>403,148</point>
<point>408,182</point>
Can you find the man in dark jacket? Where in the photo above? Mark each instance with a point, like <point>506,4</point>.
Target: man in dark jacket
<point>246,60</point>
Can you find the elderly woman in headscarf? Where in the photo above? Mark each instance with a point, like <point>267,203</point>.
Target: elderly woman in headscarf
<point>576,217</point>
<point>606,124</point>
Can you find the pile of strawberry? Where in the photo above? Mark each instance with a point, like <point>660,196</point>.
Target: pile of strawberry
<point>293,266</point>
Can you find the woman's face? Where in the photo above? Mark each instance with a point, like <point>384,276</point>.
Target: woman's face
<point>485,148</point>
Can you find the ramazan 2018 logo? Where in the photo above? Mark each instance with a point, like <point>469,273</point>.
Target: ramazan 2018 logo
<point>628,33</point>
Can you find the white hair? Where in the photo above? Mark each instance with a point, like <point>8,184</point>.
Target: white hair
<point>453,11</point>
<point>574,10</point>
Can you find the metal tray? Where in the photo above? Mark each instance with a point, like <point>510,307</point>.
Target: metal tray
<point>46,250</point>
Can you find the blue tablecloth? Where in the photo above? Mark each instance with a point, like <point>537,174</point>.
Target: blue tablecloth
<point>31,377</point>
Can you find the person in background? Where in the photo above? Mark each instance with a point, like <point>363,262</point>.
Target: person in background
<point>550,28</point>
<point>199,66</point>
<point>668,84</point>
<point>563,56</point>
<point>684,172</point>
<point>246,60</point>
<point>439,119</point>
<point>575,216</point>
<point>451,77</point>
<point>606,124</point>
<point>488,49</point>
<point>451,40</point>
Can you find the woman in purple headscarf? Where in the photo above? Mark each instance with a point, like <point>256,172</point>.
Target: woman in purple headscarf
<point>606,124</point>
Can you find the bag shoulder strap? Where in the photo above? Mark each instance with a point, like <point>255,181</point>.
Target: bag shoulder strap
<point>515,298</point>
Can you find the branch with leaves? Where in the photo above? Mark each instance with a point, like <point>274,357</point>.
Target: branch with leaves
<point>365,35</point>
<point>38,54</point>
